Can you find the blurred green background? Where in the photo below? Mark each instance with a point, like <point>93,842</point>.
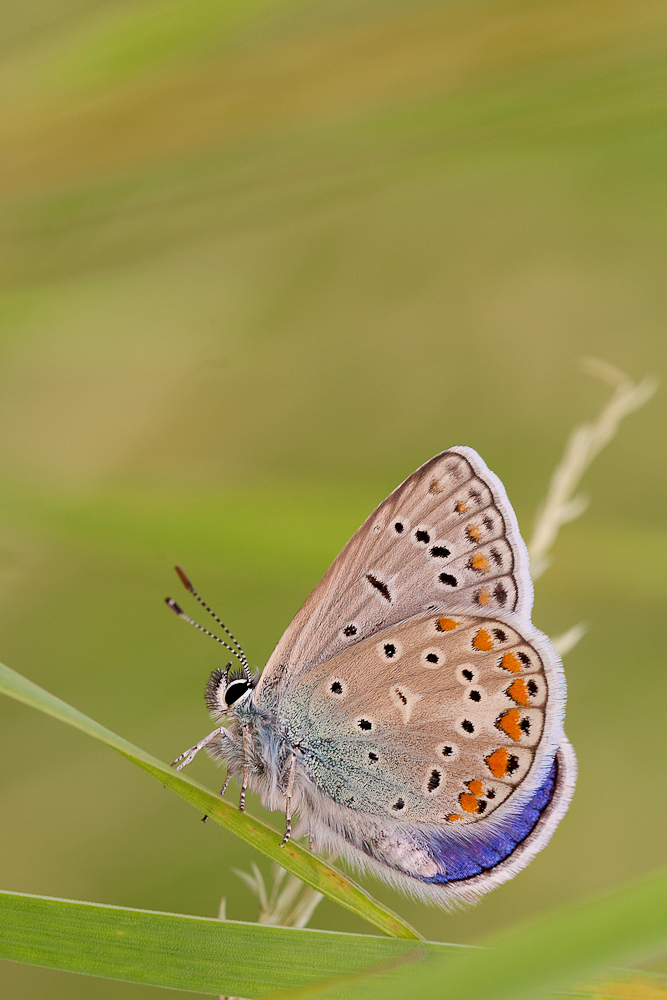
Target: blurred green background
<point>258,261</point>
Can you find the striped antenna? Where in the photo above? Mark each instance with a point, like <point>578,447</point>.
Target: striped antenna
<point>181,614</point>
<point>188,586</point>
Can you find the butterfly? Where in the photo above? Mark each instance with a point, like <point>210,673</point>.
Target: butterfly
<point>411,713</point>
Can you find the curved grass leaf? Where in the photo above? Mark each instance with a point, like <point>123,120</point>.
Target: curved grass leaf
<point>189,953</point>
<point>292,857</point>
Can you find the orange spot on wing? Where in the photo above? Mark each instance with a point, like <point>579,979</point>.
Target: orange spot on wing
<point>497,762</point>
<point>473,533</point>
<point>460,507</point>
<point>475,786</point>
<point>468,802</point>
<point>480,562</point>
<point>518,692</point>
<point>511,662</point>
<point>483,597</point>
<point>510,723</point>
<point>483,641</point>
<point>453,817</point>
<point>445,624</point>
<point>435,487</point>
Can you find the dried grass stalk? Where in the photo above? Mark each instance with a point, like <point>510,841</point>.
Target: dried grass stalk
<point>291,903</point>
<point>584,444</point>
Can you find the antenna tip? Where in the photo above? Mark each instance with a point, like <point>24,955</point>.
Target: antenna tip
<point>183,578</point>
<point>174,607</point>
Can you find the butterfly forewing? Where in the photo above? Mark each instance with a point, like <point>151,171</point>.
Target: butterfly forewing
<point>447,535</point>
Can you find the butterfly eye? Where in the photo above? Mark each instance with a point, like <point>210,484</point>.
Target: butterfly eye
<point>235,691</point>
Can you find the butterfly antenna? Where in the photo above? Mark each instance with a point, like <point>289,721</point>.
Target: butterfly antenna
<point>178,610</point>
<point>188,586</point>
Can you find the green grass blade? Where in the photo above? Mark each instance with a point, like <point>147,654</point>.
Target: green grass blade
<point>211,956</point>
<point>549,953</point>
<point>187,953</point>
<point>293,857</point>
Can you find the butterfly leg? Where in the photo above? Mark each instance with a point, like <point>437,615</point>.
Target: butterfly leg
<point>246,767</point>
<point>189,755</point>
<point>224,787</point>
<point>288,801</point>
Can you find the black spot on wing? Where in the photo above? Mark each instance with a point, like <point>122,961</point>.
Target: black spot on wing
<point>381,587</point>
<point>439,552</point>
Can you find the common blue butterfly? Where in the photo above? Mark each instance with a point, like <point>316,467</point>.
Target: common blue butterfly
<point>411,713</point>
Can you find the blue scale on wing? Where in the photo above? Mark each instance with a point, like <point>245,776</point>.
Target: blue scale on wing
<point>482,850</point>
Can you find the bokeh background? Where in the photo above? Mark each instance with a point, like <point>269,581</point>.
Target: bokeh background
<point>259,259</point>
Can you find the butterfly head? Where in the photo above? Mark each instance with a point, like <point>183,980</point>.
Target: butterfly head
<point>229,688</point>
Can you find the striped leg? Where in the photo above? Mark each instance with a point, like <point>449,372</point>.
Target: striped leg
<point>288,801</point>
<point>246,767</point>
<point>189,755</point>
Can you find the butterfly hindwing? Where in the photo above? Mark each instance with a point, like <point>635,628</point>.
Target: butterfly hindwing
<point>433,746</point>
<point>439,719</point>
